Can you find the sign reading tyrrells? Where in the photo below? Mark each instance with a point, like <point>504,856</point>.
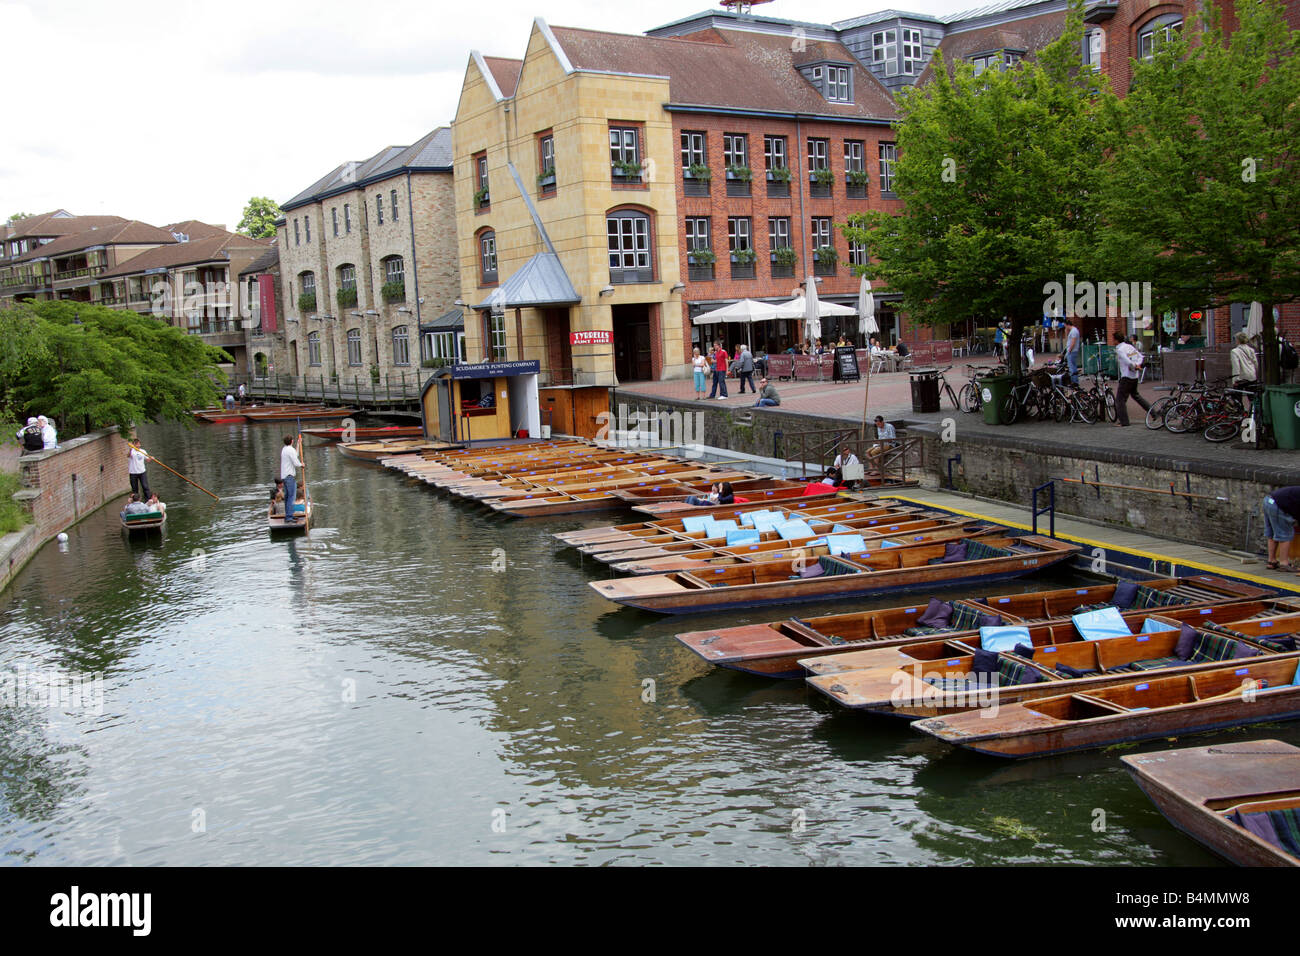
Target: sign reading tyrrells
<point>595,337</point>
<point>495,369</point>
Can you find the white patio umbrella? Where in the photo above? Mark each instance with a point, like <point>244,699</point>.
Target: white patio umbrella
<point>812,314</point>
<point>746,310</point>
<point>867,308</point>
<point>1255,321</point>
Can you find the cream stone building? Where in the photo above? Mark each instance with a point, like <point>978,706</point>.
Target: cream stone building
<point>367,267</point>
<point>566,214</point>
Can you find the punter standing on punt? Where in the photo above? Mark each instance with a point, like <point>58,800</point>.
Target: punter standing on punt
<point>135,471</point>
<point>289,465</point>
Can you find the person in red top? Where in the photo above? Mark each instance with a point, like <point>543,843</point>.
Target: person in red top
<point>720,360</point>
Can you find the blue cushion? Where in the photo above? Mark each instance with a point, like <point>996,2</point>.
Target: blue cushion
<point>845,543</point>
<point>750,518</point>
<point>1004,638</point>
<point>886,543</point>
<point>696,522</point>
<point>742,536</point>
<point>794,529</point>
<point>842,529</point>
<point>719,529</point>
<point>1296,680</point>
<point>937,614</point>
<point>768,522</point>
<point>1125,592</point>
<point>1151,625</point>
<point>1099,625</point>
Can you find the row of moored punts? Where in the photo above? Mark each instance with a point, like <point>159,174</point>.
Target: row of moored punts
<point>1006,674</point>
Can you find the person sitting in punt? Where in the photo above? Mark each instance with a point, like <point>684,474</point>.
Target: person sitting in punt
<point>277,498</point>
<point>156,505</point>
<point>300,501</point>
<point>719,494</point>
<point>135,506</point>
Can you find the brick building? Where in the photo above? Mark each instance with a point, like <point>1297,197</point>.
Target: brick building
<point>367,259</point>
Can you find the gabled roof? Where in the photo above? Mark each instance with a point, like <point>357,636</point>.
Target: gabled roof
<point>1030,34</point>
<point>195,252</point>
<point>506,73</point>
<point>263,263</point>
<point>431,152</point>
<point>196,229</point>
<point>747,71</point>
<point>541,281</point>
<point>133,233</point>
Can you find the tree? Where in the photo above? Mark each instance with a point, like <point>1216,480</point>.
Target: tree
<point>20,215</point>
<point>259,218</point>
<point>88,366</point>
<point>1202,184</point>
<point>996,173</point>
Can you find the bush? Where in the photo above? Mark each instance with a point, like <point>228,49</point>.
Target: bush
<point>12,515</point>
<point>394,291</point>
<point>307,302</point>
<point>347,296</point>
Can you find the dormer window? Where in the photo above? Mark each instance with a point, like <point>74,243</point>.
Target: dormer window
<point>837,84</point>
<point>884,51</point>
<point>912,52</point>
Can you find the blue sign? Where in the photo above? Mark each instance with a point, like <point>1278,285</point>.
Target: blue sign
<point>495,369</point>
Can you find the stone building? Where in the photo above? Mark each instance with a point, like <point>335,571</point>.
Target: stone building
<point>367,255</point>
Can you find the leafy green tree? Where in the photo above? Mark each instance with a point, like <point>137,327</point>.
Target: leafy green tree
<point>20,215</point>
<point>1202,183</point>
<point>996,172</point>
<point>259,218</point>
<point>88,366</point>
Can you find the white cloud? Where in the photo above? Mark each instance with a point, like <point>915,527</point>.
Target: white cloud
<point>164,111</point>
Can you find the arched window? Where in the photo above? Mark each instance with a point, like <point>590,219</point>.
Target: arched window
<point>354,347</point>
<point>1157,32</point>
<point>313,349</point>
<point>401,346</point>
<point>487,257</point>
<point>394,289</point>
<point>259,365</point>
<point>630,244</point>
<point>347,279</point>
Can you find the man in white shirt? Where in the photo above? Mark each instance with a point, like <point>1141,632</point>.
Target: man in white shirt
<point>135,459</point>
<point>885,435</point>
<point>845,457</point>
<point>1129,360</point>
<point>49,436</point>
<point>1072,340</point>
<point>289,465</point>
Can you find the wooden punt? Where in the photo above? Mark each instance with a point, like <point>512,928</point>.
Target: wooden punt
<point>666,529</point>
<point>378,450</point>
<point>812,546</point>
<point>673,509</point>
<point>650,474</point>
<point>596,497</point>
<point>756,486</point>
<point>837,643</point>
<point>277,525</point>
<point>317,413</point>
<point>882,571</point>
<point>913,682</point>
<point>533,468</point>
<point>366,432</point>
<point>142,523</point>
<point>220,416</point>
<point>1230,695</point>
<point>1211,793</point>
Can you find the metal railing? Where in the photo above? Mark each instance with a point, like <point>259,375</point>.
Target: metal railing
<point>393,389</point>
<point>894,459</point>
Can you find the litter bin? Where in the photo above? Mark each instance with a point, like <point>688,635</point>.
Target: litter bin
<point>993,389</point>
<point>925,389</point>
<point>1103,356</point>
<point>1283,405</point>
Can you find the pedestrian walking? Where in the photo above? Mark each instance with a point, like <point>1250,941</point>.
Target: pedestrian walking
<point>745,369</point>
<point>1281,512</point>
<point>1129,360</point>
<point>720,360</point>
<point>135,470</point>
<point>289,465</point>
<point>700,369</point>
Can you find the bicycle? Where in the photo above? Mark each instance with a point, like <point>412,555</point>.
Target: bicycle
<point>1101,397</point>
<point>1225,423</point>
<point>1190,415</point>
<point>969,398</point>
<point>1025,396</point>
<point>946,389</point>
<point>1180,392</point>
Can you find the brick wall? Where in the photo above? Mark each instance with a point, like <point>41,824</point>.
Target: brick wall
<point>78,477</point>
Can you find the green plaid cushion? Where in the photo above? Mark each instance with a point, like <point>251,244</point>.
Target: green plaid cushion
<point>1220,629</point>
<point>964,617</point>
<point>1012,672</point>
<point>1153,664</point>
<point>832,567</point>
<point>921,630</point>
<point>975,550</point>
<point>1153,597</point>
<point>1212,647</point>
<point>1278,642</point>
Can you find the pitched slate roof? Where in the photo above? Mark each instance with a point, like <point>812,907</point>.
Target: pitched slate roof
<point>127,233</point>
<point>453,321</point>
<point>432,152</point>
<point>196,229</point>
<point>59,223</point>
<point>263,263</point>
<point>195,252</point>
<point>750,71</point>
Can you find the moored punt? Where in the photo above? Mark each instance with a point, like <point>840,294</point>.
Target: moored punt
<point>220,416</point>
<point>367,432</point>
<point>1232,695</point>
<point>675,509</point>
<point>1240,800</point>
<point>809,547</point>
<point>752,488</point>
<point>876,572</point>
<point>915,682</point>
<point>144,522</point>
<point>596,497</point>
<point>639,533</point>
<point>384,448</point>
<point>314,413</point>
<point>837,643</point>
<point>648,474</point>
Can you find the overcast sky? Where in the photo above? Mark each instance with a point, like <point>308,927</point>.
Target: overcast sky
<point>165,110</point>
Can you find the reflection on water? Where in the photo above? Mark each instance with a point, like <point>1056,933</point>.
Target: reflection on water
<point>376,693</point>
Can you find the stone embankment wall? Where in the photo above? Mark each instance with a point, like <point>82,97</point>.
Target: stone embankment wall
<point>60,487</point>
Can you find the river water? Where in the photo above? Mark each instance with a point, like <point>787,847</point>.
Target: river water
<point>378,693</point>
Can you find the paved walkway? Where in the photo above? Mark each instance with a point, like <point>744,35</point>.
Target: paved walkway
<point>890,395</point>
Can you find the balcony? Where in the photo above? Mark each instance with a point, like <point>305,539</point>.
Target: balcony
<point>738,180</point>
<point>855,184</point>
<point>695,180</point>
<point>700,265</point>
<point>742,264</point>
<point>819,183</point>
<point>783,264</point>
<point>778,182</point>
